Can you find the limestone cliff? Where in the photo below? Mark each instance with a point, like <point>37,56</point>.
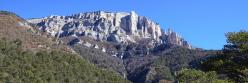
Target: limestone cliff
<point>120,27</point>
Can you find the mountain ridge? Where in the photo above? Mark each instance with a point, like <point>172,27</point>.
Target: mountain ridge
<point>121,27</point>
<point>128,43</point>
<point>144,59</point>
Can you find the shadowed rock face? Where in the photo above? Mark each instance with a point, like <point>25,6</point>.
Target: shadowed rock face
<point>120,27</point>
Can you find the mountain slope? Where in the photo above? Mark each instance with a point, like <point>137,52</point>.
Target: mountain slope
<point>29,56</point>
<point>13,27</point>
<point>129,44</point>
<point>164,65</point>
<point>56,66</point>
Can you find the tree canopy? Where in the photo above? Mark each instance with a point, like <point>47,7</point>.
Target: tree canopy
<point>19,66</point>
<point>233,61</point>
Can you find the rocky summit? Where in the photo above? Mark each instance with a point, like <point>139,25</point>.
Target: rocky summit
<point>119,27</point>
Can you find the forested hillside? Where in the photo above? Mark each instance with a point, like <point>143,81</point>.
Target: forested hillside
<point>27,56</point>
<point>50,67</point>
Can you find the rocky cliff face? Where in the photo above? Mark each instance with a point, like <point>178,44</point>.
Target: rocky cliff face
<point>120,27</point>
<point>174,38</point>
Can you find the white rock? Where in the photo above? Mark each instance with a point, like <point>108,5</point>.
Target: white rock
<point>103,49</point>
<point>133,23</point>
<point>120,27</point>
<point>96,46</point>
<point>87,44</point>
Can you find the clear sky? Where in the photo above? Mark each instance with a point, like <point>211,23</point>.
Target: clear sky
<point>201,22</point>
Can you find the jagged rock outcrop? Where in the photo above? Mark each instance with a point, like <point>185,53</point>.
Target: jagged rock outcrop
<point>120,27</point>
<point>174,38</point>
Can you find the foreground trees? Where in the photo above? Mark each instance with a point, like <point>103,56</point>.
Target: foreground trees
<point>231,64</point>
<point>197,76</point>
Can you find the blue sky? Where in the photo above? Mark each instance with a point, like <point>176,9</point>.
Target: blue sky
<point>201,22</point>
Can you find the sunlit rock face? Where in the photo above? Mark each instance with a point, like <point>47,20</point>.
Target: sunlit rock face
<point>119,27</point>
<point>174,38</point>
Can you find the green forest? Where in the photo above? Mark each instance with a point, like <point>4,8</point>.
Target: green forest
<point>23,66</point>
<point>19,66</point>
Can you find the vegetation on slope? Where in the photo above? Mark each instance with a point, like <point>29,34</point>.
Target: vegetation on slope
<point>100,59</point>
<point>14,27</point>
<point>26,56</point>
<point>174,60</point>
<point>54,67</point>
<point>197,76</point>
